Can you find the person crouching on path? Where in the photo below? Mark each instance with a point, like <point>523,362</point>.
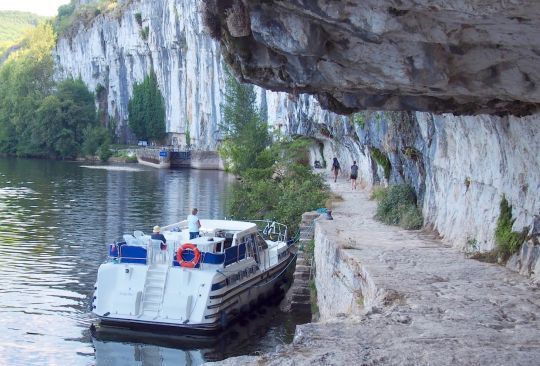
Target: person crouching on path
<point>354,175</point>
<point>335,168</point>
<point>193,224</point>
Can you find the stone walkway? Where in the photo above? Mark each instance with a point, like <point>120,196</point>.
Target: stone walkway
<point>425,303</point>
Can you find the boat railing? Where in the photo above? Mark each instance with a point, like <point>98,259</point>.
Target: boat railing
<point>179,226</point>
<point>271,229</point>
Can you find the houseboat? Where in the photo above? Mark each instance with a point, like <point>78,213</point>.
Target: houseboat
<point>192,285</point>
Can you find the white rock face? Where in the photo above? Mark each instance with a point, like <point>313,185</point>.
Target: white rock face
<point>464,164</point>
<point>113,53</point>
<point>471,163</point>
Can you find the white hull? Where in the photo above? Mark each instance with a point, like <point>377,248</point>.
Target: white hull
<point>228,282</point>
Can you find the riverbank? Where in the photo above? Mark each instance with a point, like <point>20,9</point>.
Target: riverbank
<point>396,297</point>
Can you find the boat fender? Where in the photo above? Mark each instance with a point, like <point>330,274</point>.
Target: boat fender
<point>196,255</point>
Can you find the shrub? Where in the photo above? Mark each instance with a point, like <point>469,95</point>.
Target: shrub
<point>138,19</point>
<point>507,241</point>
<point>378,193</point>
<point>144,32</point>
<point>382,160</point>
<point>397,206</point>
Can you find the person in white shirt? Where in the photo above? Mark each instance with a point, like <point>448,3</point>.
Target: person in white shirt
<point>193,224</point>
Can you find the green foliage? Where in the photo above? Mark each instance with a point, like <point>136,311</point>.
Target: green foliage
<point>94,139</point>
<point>70,16</point>
<point>378,193</point>
<point>144,33</point>
<point>245,133</point>
<point>280,187</point>
<point>309,250</point>
<point>26,78</point>
<point>382,160</point>
<point>397,206</point>
<point>14,25</point>
<point>508,242</point>
<point>360,119</point>
<point>147,110</point>
<point>38,117</point>
<point>138,19</point>
<point>188,135</point>
<point>62,119</point>
<point>104,151</point>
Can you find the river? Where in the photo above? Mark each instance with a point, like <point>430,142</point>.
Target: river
<point>55,221</point>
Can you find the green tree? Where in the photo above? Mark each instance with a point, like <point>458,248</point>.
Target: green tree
<point>147,110</point>
<point>25,80</point>
<point>245,133</point>
<point>62,119</point>
<point>281,187</point>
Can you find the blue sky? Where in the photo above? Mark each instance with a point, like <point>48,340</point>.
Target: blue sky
<point>41,7</point>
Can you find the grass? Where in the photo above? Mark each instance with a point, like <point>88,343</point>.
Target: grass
<point>397,206</point>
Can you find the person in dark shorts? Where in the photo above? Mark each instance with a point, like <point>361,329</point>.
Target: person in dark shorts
<point>354,175</point>
<point>335,168</point>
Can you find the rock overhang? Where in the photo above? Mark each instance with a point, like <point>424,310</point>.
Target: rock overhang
<point>464,57</point>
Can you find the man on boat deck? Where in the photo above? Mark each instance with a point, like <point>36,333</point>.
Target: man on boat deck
<point>158,236</point>
<point>193,224</point>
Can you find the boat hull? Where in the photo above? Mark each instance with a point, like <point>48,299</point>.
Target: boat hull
<point>232,303</point>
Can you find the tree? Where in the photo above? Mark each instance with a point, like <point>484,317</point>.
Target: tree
<point>62,119</point>
<point>147,110</point>
<point>25,79</point>
<point>245,133</point>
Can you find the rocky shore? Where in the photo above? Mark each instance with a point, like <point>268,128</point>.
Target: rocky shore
<point>395,297</point>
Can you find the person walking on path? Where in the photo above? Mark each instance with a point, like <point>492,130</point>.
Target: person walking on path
<point>193,224</point>
<point>354,175</point>
<point>335,168</point>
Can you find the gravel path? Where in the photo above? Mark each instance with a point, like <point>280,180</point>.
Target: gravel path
<point>426,303</point>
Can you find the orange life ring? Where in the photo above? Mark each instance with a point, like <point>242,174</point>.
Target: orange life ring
<point>196,255</point>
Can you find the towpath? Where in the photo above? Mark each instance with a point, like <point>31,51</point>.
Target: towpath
<point>425,303</point>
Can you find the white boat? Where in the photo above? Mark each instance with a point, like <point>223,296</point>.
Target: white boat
<point>192,285</point>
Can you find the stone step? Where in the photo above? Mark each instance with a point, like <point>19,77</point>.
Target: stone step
<point>301,276</point>
<point>301,290</point>
<point>301,298</point>
<point>302,268</point>
<point>296,306</point>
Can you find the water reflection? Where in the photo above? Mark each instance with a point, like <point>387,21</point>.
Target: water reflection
<point>267,325</point>
<point>55,221</point>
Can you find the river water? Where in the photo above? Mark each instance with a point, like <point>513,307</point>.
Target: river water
<point>55,221</point>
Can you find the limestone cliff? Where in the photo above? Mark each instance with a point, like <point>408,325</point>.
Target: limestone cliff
<point>119,49</point>
<point>460,166</point>
<point>465,57</point>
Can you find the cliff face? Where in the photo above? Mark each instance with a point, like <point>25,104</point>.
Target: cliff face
<point>116,51</point>
<point>460,167</point>
<point>465,57</point>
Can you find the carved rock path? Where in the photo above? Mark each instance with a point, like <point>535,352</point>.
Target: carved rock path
<point>426,303</point>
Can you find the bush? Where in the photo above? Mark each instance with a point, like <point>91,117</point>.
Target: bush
<point>104,151</point>
<point>138,19</point>
<point>397,206</point>
<point>382,160</point>
<point>507,241</point>
<point>378,193</point>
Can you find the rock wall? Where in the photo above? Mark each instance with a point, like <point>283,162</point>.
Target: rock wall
<point>112,53</point>
<point>459,166</point>
<point>466,57</point>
